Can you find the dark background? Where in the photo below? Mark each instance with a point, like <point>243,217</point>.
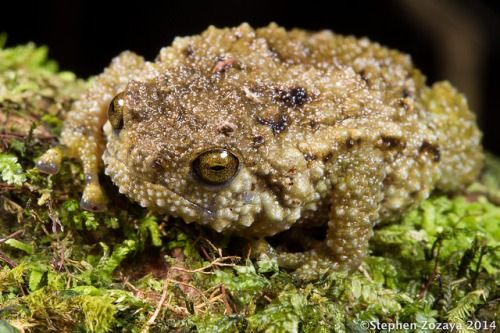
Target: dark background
<point>457,40</point>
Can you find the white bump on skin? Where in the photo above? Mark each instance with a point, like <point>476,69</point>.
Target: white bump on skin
<point>340,211</point>
<point>272,209</point>
<point>246,220</point>
<point>227,214</point>
<point>220,224</point>
<point>302,187</point>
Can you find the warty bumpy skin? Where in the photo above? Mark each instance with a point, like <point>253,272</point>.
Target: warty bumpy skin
<point>325,130</point>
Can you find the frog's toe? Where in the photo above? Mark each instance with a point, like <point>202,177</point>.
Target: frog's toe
<point>260,247</point>
<point>93,198</point>
<point>47,167</point>
<point>309,265</point>
<point>292,260</point>
<point>315,269</point>
<point>92,206</point>
<point>50,161</point>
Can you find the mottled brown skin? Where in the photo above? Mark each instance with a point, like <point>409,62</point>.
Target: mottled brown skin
<point>325,129</point>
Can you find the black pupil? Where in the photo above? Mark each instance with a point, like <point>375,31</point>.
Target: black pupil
<point>217,168</point>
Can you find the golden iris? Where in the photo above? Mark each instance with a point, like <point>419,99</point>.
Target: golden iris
<point>215,167</point>
<point>115,111</point>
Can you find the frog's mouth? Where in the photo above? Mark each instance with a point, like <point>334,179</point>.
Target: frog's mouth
<point>115,166</point>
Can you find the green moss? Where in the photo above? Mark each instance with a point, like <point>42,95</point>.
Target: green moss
<point>149,225</point>
<point>64,269</point>
<point>11,170</point>
<point>108,264</point>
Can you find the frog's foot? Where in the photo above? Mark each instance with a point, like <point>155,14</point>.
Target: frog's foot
<point>50,161</point>
<point>309,265</point>
<point>93,197</point>
<point>259,247</point>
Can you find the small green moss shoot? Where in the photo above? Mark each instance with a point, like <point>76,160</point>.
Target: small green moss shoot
<point>67,270</point>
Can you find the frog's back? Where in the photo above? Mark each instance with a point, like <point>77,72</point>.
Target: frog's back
<point>322,66</point>
<point>315,89</point>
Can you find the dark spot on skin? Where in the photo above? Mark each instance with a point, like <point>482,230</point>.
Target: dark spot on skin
<point>189,51</point>
<point>363,76</point>
<point>352,142</point>
<point>253,187</point>
<point>406,93</point>
<point>158,164</point>
<point>432,149</point>
<point>327,157</point>
<point>222,65</point>
<point>258,140</point>
<point>292,170</point>
<point>388,180</point>
<point>387,142</point>
<point>405,103</point>
<point>277,126</point>
<point>309,157</point>
<point>294,97</point>
<point>227,129</point>
<point>313,124</point>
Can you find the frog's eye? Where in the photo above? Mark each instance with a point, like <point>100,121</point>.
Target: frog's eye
<point>215,167</point>
<point>115,111</point>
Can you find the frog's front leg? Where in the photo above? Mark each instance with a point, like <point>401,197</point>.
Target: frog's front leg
<point>356,198</point>
<point>87,149</point>
<point>82,136</point>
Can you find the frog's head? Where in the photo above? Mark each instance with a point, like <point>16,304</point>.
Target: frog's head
<point>185,147</point>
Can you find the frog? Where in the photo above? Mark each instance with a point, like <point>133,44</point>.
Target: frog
<point>256,132</point>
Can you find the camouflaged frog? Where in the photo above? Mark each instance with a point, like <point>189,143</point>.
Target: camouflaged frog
<point>256,131</point>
